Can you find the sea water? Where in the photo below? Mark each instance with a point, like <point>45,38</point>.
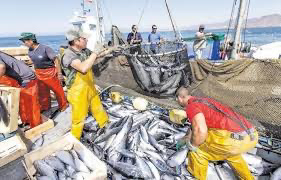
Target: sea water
<point>255,36</point>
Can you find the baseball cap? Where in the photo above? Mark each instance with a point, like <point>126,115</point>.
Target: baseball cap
<point>202,26</point>
<point>27,36</point>
<point>74,34</point>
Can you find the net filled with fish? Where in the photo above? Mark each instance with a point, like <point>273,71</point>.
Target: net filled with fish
<point>159,70</point>
<point>142,145</point>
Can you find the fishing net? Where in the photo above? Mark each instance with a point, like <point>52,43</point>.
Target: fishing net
<point>251,87</point>
<point>159,70</point>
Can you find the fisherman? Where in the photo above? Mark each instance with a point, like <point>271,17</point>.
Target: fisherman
<point>134,39</point>
<point>154,38</point>
<point>218,133</point>
<point>200,42</point>
<point>17,74</point>
<point>77,63</point>
<point>48,72</point>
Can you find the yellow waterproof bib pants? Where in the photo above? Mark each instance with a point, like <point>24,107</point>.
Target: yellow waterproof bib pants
<point>220,146</point>
<point>82,95</point>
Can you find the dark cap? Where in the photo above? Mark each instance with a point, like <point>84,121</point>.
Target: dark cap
<point>202,26</point>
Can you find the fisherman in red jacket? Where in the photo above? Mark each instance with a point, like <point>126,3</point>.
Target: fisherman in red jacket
<point>15,73</point>
<point>218,133</point>
<point>48,72</point>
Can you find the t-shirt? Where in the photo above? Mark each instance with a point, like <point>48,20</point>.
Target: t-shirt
<point>16,69</point>
<point>153,38</point>
<point>69,55</point>
<point>200,42</point>
<point>215,119</point>
<point>136,37</point>
<point>42,57</point>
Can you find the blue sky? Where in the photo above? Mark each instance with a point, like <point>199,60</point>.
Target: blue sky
<point>52,16</point>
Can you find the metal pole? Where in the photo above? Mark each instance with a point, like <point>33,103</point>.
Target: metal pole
<point>99,21</point>
<point>83,8</point>
<point>238,29</point>
<point>173,25</point>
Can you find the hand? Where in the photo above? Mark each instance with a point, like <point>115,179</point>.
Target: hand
<point>191,147</point>
<point>60,77</point>
<point>180,143</point>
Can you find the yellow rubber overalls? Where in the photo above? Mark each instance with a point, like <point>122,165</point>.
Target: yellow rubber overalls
<point>82,95</point>
<point>220,146</point>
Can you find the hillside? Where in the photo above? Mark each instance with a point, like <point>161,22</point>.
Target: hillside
<point>273,20</point>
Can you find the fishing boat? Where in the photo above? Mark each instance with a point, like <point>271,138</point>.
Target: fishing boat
<point>90,23</point>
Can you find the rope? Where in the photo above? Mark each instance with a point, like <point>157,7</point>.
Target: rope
<point>173,25</point>
<point>145,6</point>
<point>229,25</point>
<point>245,28</point>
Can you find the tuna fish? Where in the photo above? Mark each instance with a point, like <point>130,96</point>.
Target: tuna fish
<point>127,170</point>
<point>276,175</point>
<point>79,165</point>
<point>44,169</point>
<point>55,163</point>
<point>177,158</point>
<point>66,158</point>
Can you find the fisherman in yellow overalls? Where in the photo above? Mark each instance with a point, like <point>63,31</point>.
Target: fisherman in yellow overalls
<point>218,134</point>
<point>77,63</point>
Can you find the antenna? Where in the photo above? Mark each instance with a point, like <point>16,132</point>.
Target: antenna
<point>84,11</point>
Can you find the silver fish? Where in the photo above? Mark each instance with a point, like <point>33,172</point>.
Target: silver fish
<point>70,170</point>
<point>162,166</point>
<point>154,143</point>
<point>276,174</point>
<point>119,141</point>
<point>44,169</point>
<point>62,176</point>
<point>107,135</point>
<point>146,146</point>
<point>212,173</point>
<point>139,73</point>
<point>127,153</point>
<point>154,170</point>
<point>169,82</point>
<point>127,170</point>
<point>144,134</point>
<point>55,163</point>
<point>226,171</point>
<point>154,73</point>
<point>144,168</point>
<point>38,143</point>
<point>79,165</point>
<point>177,158</point>
<point>84,157</point>
<point>109,142</point>
<point>66,158</point>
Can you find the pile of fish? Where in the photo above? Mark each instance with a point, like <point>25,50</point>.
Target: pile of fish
<point>64,165</point>
<point>142,145</point>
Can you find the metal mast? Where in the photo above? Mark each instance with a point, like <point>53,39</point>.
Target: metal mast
<point>100,21</point>
<point>238,29</point>
<point>177,34</point>
<point>83,7</point>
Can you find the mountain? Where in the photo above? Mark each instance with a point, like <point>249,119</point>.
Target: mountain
<point>273,20</point>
